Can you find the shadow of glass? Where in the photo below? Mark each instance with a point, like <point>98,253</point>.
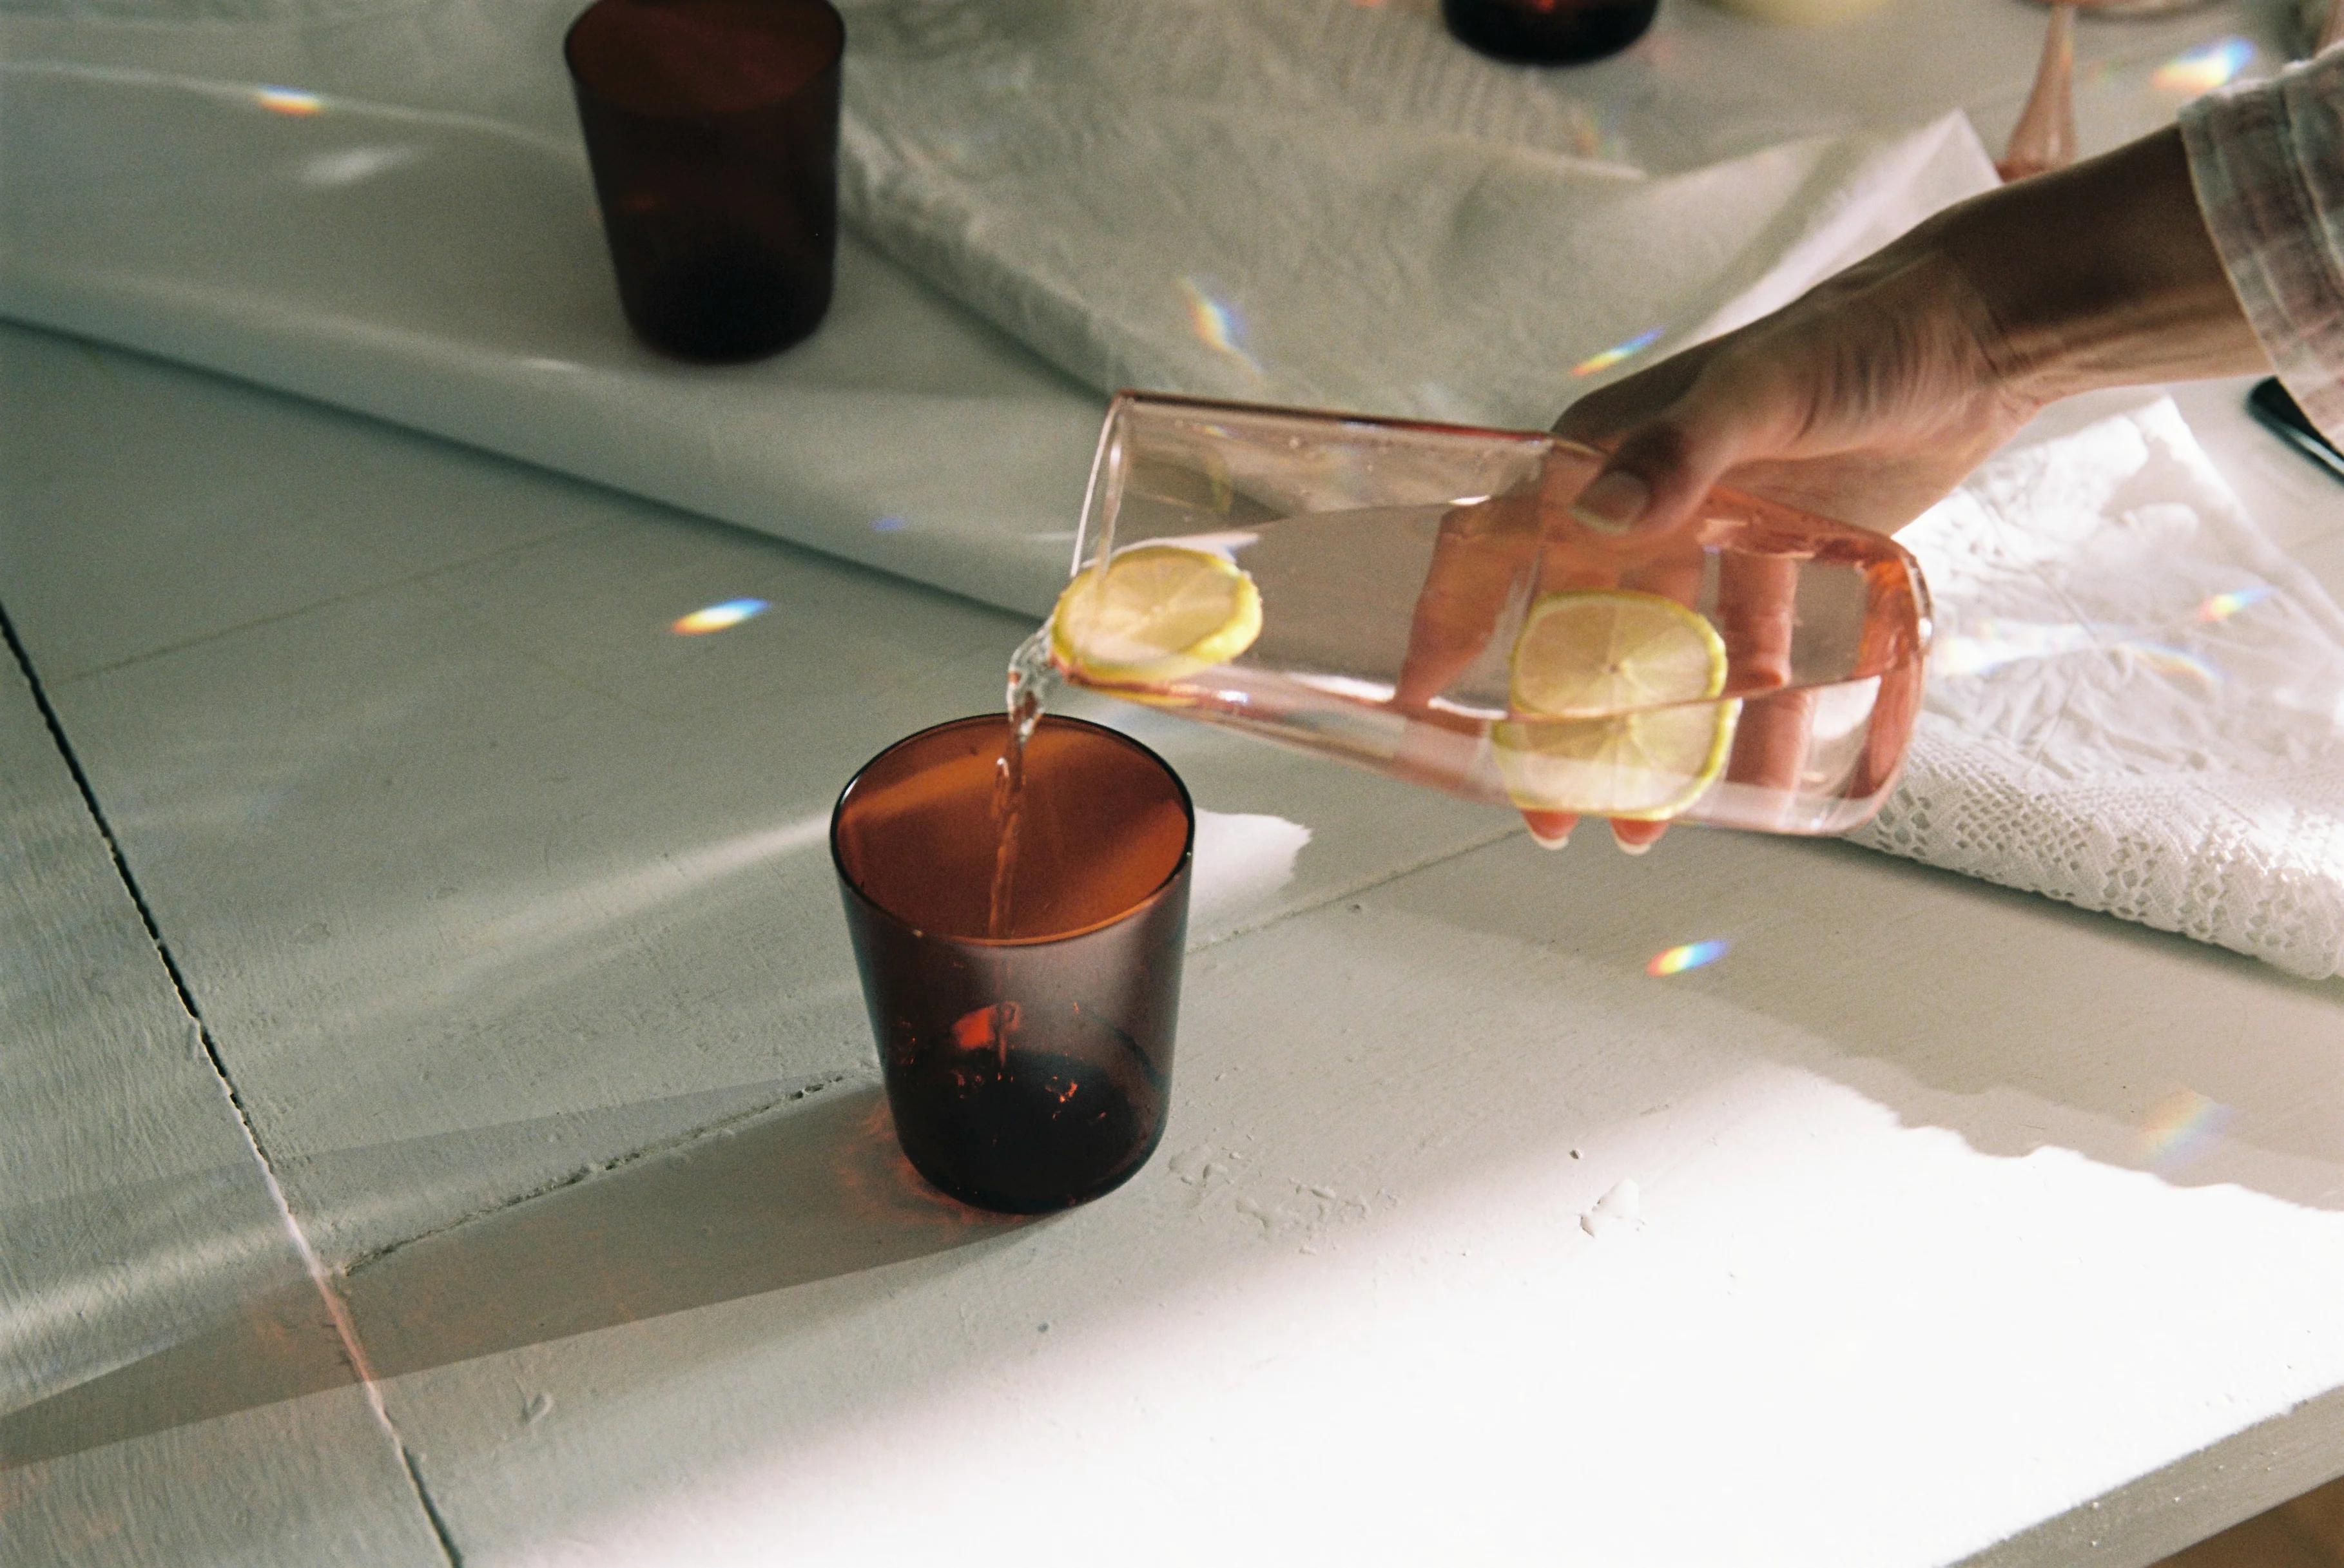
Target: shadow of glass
<point>814,1193</point>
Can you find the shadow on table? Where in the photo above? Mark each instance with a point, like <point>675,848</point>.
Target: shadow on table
<point>814,1193</point>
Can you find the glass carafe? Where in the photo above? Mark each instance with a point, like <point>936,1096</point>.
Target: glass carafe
<point>1395,567</point>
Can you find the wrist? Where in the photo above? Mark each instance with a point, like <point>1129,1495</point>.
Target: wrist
<point>2095,275</point>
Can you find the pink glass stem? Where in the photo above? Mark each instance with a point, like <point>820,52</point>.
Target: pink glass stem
<point>2045,137</point>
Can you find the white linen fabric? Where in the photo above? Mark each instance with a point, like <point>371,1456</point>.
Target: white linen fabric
<point>2136,702</point>
<point>1319,203</point>
<point>388,208</point>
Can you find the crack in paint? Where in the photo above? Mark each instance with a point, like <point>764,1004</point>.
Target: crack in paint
<point>431,1507</point>
<point>1353,890</point>
<point>337,1309</point>
<point>389,585</point>
<point>594,1169</point>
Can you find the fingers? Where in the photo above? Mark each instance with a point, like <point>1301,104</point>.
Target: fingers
<point>1674,430</point>
<point>1756,613</point>
<point>1661,469</point>
<point>1476,558</point>
<point>1550,829</point>
<point>1636,837</point>
<point>1674,571</point>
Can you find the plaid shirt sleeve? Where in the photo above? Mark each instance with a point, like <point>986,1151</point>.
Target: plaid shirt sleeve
<point>2268,161</point>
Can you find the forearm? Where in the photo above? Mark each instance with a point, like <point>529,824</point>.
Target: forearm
<point>2099,275</point>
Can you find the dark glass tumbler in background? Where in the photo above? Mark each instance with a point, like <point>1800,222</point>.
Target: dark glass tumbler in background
<point>1032,1070</point>
<point>712,129</point>
<point>1549,32</point>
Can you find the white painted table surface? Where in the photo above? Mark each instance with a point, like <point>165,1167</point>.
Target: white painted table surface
<point>508,924</point>
<point>486,886</point>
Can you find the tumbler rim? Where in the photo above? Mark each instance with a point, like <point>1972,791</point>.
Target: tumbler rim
<point>1140,906</point>
<point>835,51</point>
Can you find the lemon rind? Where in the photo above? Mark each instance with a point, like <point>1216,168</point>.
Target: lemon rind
<point>1237,634</point>
<point>1697,782</point>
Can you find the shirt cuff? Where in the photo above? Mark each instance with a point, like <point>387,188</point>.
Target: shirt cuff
<point>2267,162</point>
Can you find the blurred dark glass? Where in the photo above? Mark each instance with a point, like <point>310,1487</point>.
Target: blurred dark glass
<point>1031,1071</point>
<point>1549,32</point>
<point>712,129</point>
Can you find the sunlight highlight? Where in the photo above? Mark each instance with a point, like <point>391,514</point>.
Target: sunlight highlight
<point>1996,644</point>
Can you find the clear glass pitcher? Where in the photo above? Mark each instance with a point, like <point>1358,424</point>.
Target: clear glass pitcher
<point>1417,598</point>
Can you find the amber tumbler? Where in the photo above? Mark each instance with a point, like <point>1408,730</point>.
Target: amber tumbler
<point>1028,1054</point>
<point>712,129</point>
<point>1549,32</point>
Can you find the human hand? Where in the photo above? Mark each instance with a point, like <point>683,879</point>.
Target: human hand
<point>1864,400</point>
<point>1870,397</point>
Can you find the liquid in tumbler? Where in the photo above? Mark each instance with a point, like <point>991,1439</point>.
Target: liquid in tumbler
<point>1028,1065</point>
<point>1415,598</point>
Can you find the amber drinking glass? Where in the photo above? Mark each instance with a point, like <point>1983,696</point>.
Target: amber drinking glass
<point>712,129</point>
<point>1549,32</point>
<point>1030,1070</point>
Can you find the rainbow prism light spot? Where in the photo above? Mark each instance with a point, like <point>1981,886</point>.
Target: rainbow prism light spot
<point>1617,353</point>
<point>2179,1125</point>
<point>287,101</point>
<point>2222,606</point>
<point>2204,69</point>
<point>2166,659</point>
<point>721,617</point>
<point>1690,956</point>
<point>1217,323</point>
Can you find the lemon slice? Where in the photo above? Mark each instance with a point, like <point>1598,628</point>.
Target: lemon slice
<point>1619,692</point>
<point>1154,614</point>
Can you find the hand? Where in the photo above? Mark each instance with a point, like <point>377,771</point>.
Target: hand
<point>1865,401</point>
<point>1872,396</point>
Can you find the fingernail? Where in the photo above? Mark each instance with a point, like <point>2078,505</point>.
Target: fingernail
<point>1614,502</point>
<point>1627,848</point>
<point>1543,842</point>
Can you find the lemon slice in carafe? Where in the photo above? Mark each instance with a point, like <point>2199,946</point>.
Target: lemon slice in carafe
<point>1617,698</point>
<point>1154,614</point>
